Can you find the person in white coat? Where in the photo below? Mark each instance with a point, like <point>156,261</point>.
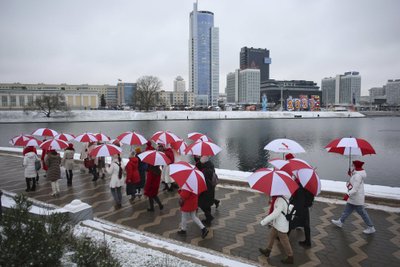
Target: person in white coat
<point>280,228</point>
<point>355,198</point>
<point>30,170</point>
<point>117,180</point>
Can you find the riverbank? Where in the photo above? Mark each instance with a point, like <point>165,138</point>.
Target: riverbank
<point>122,115</point>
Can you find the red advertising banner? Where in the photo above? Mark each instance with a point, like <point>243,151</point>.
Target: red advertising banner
<point>304,102</point>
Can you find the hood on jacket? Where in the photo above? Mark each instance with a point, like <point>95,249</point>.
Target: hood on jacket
<point>362,173</point>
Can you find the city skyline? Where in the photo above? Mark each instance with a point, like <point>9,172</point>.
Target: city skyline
<point>95,42</point>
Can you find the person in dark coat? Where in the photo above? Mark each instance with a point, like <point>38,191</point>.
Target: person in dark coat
<point>142,172</point>
<point>53,161</point>
<point>132,176</point>
<point>204,163</point>
<point>206,198</point>
<point>152,185</point>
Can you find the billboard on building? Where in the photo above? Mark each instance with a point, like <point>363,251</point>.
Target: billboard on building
<point>304,102</point>
<point>315,103</point>
<point>289,104</point>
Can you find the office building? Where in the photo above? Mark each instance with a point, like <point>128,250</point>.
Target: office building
<point>342,89</point>
<point>203,58</point>
<point>243,86</point>
<point>393,92</point>
<point>126,94</point>
<point>176,99</point>
<point>376,94</point>
<point>179,84</point>
<point>256,58</point>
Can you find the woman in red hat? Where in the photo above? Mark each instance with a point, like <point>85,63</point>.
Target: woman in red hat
<point>355,198</point>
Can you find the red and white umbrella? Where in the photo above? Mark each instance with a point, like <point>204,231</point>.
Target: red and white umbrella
<point>45,132</point>
<point>86,138</point>
<point>284,146</point>
<point>297,164</point>
<point>102,137</point>
<point>20,140</point>
<point>282,165</point>
<point>272,182</point>
<point>179,146</point>
<point>203,148</point>
<point>105,150</point>
<point>65,137</point>
<point>199,136</point>
<point>33,142</point>
<point>350,146</point>
<point>309,179</point>
<point>165,137</point>
<point>154,157</point>
<point>132,138</point>
<point>55,144</point>
<point>188,177</point>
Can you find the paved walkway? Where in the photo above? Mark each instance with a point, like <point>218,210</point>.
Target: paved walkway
<point>236,230</point>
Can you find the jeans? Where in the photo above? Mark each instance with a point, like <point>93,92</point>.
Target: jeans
<point>117,195</point>
<point>360,209</point>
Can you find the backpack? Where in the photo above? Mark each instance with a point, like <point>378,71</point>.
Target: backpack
<point>214,180</point>
<point>38,165</point>
<point>290,214</point>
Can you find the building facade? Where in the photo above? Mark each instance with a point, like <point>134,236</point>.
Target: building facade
<point>243,86</point>
<point>393,92</point>
<point>342,89</point>
<point>179,84</point>
<point>126,94</point>
<point>256,58</point>
<point>203,58</point>
<point>176,99</point>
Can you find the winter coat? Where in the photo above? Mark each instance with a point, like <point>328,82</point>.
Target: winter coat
<point>356,188</point>
<point>190,201</point>
<point>279,221</point>
<point>170,154</point>
<point>153,181</point>
<point>68,159</point>
<point>142,172</point>
<point>43,157</point>
<point>206,198</point>
<point>113,170</point>
<point>29,164</point>
<point>205,165</point>
<point>298,201</point>
<point>132,171</point>
<point>53,163</point>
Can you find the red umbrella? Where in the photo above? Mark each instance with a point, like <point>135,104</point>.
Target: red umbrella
<point>309,179</point>
<point>154,157</point>
<point>20,140</point>
<point>102,137</point>
<point>45,132</point>
<point>203,148</point>
<point>199,136</point>
<point>86,138</point>
<point>350,146</point>
<point>33,142</point>
<point>105,150</point>
<point>188,177</point>
<point>272,182</point>
<point>282,165</point>
<point>132,138</point>
<point>165,137</point>
<point>55,144</point>
<point>65,137</point>
<point>179,146</point>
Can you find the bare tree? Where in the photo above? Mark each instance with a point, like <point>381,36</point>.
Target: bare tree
<point>48,104</point>
<point>147,88</point>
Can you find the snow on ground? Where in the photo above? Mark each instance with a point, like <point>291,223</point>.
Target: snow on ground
<point>118,115</point>
<point>386,192</point>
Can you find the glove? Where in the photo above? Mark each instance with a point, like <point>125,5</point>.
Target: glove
<point>349,172</point>
<point>345,197</point>
<point>264,222</point>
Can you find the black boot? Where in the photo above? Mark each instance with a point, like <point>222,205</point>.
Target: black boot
<point>204,232</point>
<point>265,251</point>
<point>33,184</point>
<point>288,260</point>
<point>28,184</point>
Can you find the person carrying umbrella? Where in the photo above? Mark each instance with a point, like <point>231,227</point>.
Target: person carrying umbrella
<point>132,176</point>
<point>116,182</point>
<point>355,198</point>
<point>30,158</point>
<point>206,199</point>
<point>203,163</point>
<point>152,185</point>
<point>53,161</point>
<point>142,172</point>
<point>68,162</point>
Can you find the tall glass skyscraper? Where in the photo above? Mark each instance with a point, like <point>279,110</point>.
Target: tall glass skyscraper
<point>203,58</point>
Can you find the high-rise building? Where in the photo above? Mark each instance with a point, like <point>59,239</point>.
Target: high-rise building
<point>393,92</point>
<point>203,58</point>
<point>126,93</point>
<point>243,86</point>
<point>179,84</point>
<point>256,58</point>
<point>342,89</point>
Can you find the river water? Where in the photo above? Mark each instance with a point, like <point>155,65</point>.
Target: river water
<point>243,141</point>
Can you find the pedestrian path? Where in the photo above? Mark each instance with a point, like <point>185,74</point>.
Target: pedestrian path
<point>235,230</point>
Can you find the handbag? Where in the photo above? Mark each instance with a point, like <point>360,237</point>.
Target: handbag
<point>38,164</point>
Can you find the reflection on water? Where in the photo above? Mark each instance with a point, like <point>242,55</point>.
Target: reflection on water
<point>243,141</point>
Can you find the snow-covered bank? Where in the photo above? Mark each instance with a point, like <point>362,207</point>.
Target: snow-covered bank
<point>118,115</point>
<point>239,177</point>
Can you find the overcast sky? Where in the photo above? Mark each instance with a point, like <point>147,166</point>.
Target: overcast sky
<point>99,42</point>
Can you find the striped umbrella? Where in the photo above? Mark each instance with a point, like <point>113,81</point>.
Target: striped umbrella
<point>165,137</point>
<point>102,137</point>
<point>86,138</point>
<point>179,146</point>
<point>282,165</point>
<point>199,136</point>
<point>105,150</point>
<point>45,132</point>
<point>65,137</point>
<point>20,140</point>
<point>132,139</point>
<point>203,148</point>
<point>272,182</point>
<point>309,179</point>
<point>297,164</point>
<point>33,142</point>
<point>154,157</point>
<point>54,144</point>
<point>188,177</point>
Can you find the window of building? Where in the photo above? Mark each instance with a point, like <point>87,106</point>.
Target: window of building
<point>22,100</point>
<point>30,98</point>
<point>13,100</point>
<point>4,101</point>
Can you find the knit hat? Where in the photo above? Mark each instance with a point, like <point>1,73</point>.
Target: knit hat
<point>138,150</point>
<point>289,156</point>
<point>358,165</point>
